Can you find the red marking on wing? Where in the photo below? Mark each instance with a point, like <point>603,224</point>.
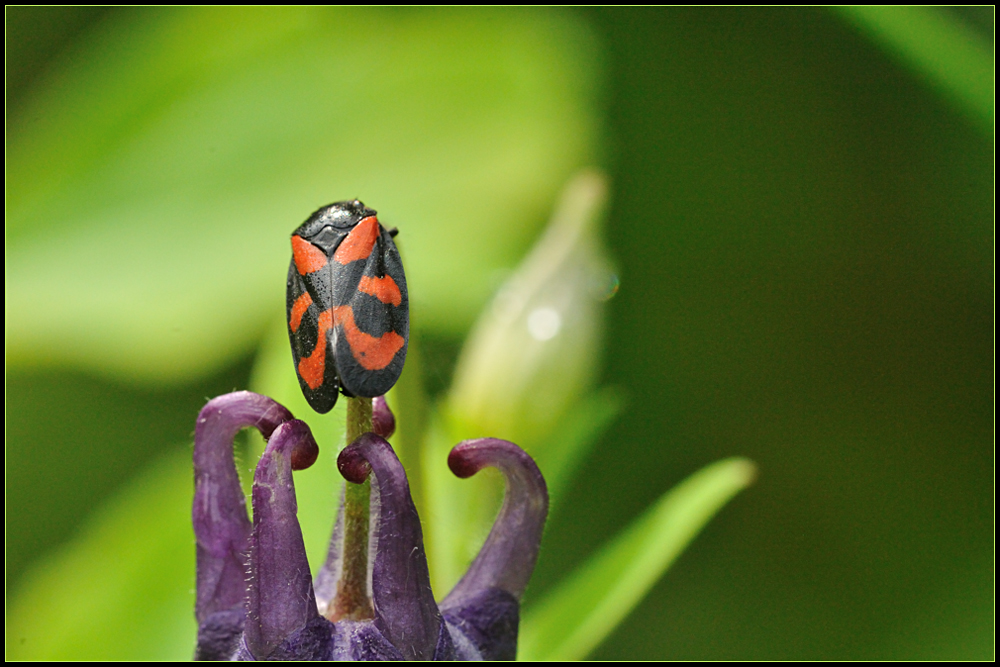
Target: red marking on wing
<point>312,367</point>
<point>298,310</point>
<point>384,289</point>
<point>372,353</point>
<point>359,243</point>
<point>308,258</point>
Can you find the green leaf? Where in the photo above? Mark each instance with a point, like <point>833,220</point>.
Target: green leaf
<point>123,589</point>
<point>158,169</point>
<point>572,620</point>
<point>939,47</point>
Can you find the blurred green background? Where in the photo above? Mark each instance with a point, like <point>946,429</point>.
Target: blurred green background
<point>800,215</point>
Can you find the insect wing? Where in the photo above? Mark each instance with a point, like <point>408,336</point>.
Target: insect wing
<point>310,325</point>
<point>371,312</point>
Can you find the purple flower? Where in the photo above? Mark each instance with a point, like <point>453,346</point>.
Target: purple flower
<point>255,594</point>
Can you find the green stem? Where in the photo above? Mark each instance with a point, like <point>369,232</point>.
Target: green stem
<point>352,601</point>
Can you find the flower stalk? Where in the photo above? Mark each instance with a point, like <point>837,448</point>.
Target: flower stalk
<point>352,601</point>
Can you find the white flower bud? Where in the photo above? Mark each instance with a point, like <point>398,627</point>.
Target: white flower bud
<point>536,349</point>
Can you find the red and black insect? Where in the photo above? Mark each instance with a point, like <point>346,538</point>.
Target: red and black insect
<point>347,305</point>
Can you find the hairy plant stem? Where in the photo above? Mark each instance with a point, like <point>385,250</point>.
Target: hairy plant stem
<point>352,601</point>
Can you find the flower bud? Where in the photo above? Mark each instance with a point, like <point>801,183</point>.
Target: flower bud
<point>534,351</point>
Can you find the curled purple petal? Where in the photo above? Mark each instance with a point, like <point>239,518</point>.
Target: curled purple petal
<point>282,620</point>
<point>221,527</point>
<point>405,610</point>
<point>383,421</point>
<point>508,557</point>
<point>304,453</point>
<point>484,604</point>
